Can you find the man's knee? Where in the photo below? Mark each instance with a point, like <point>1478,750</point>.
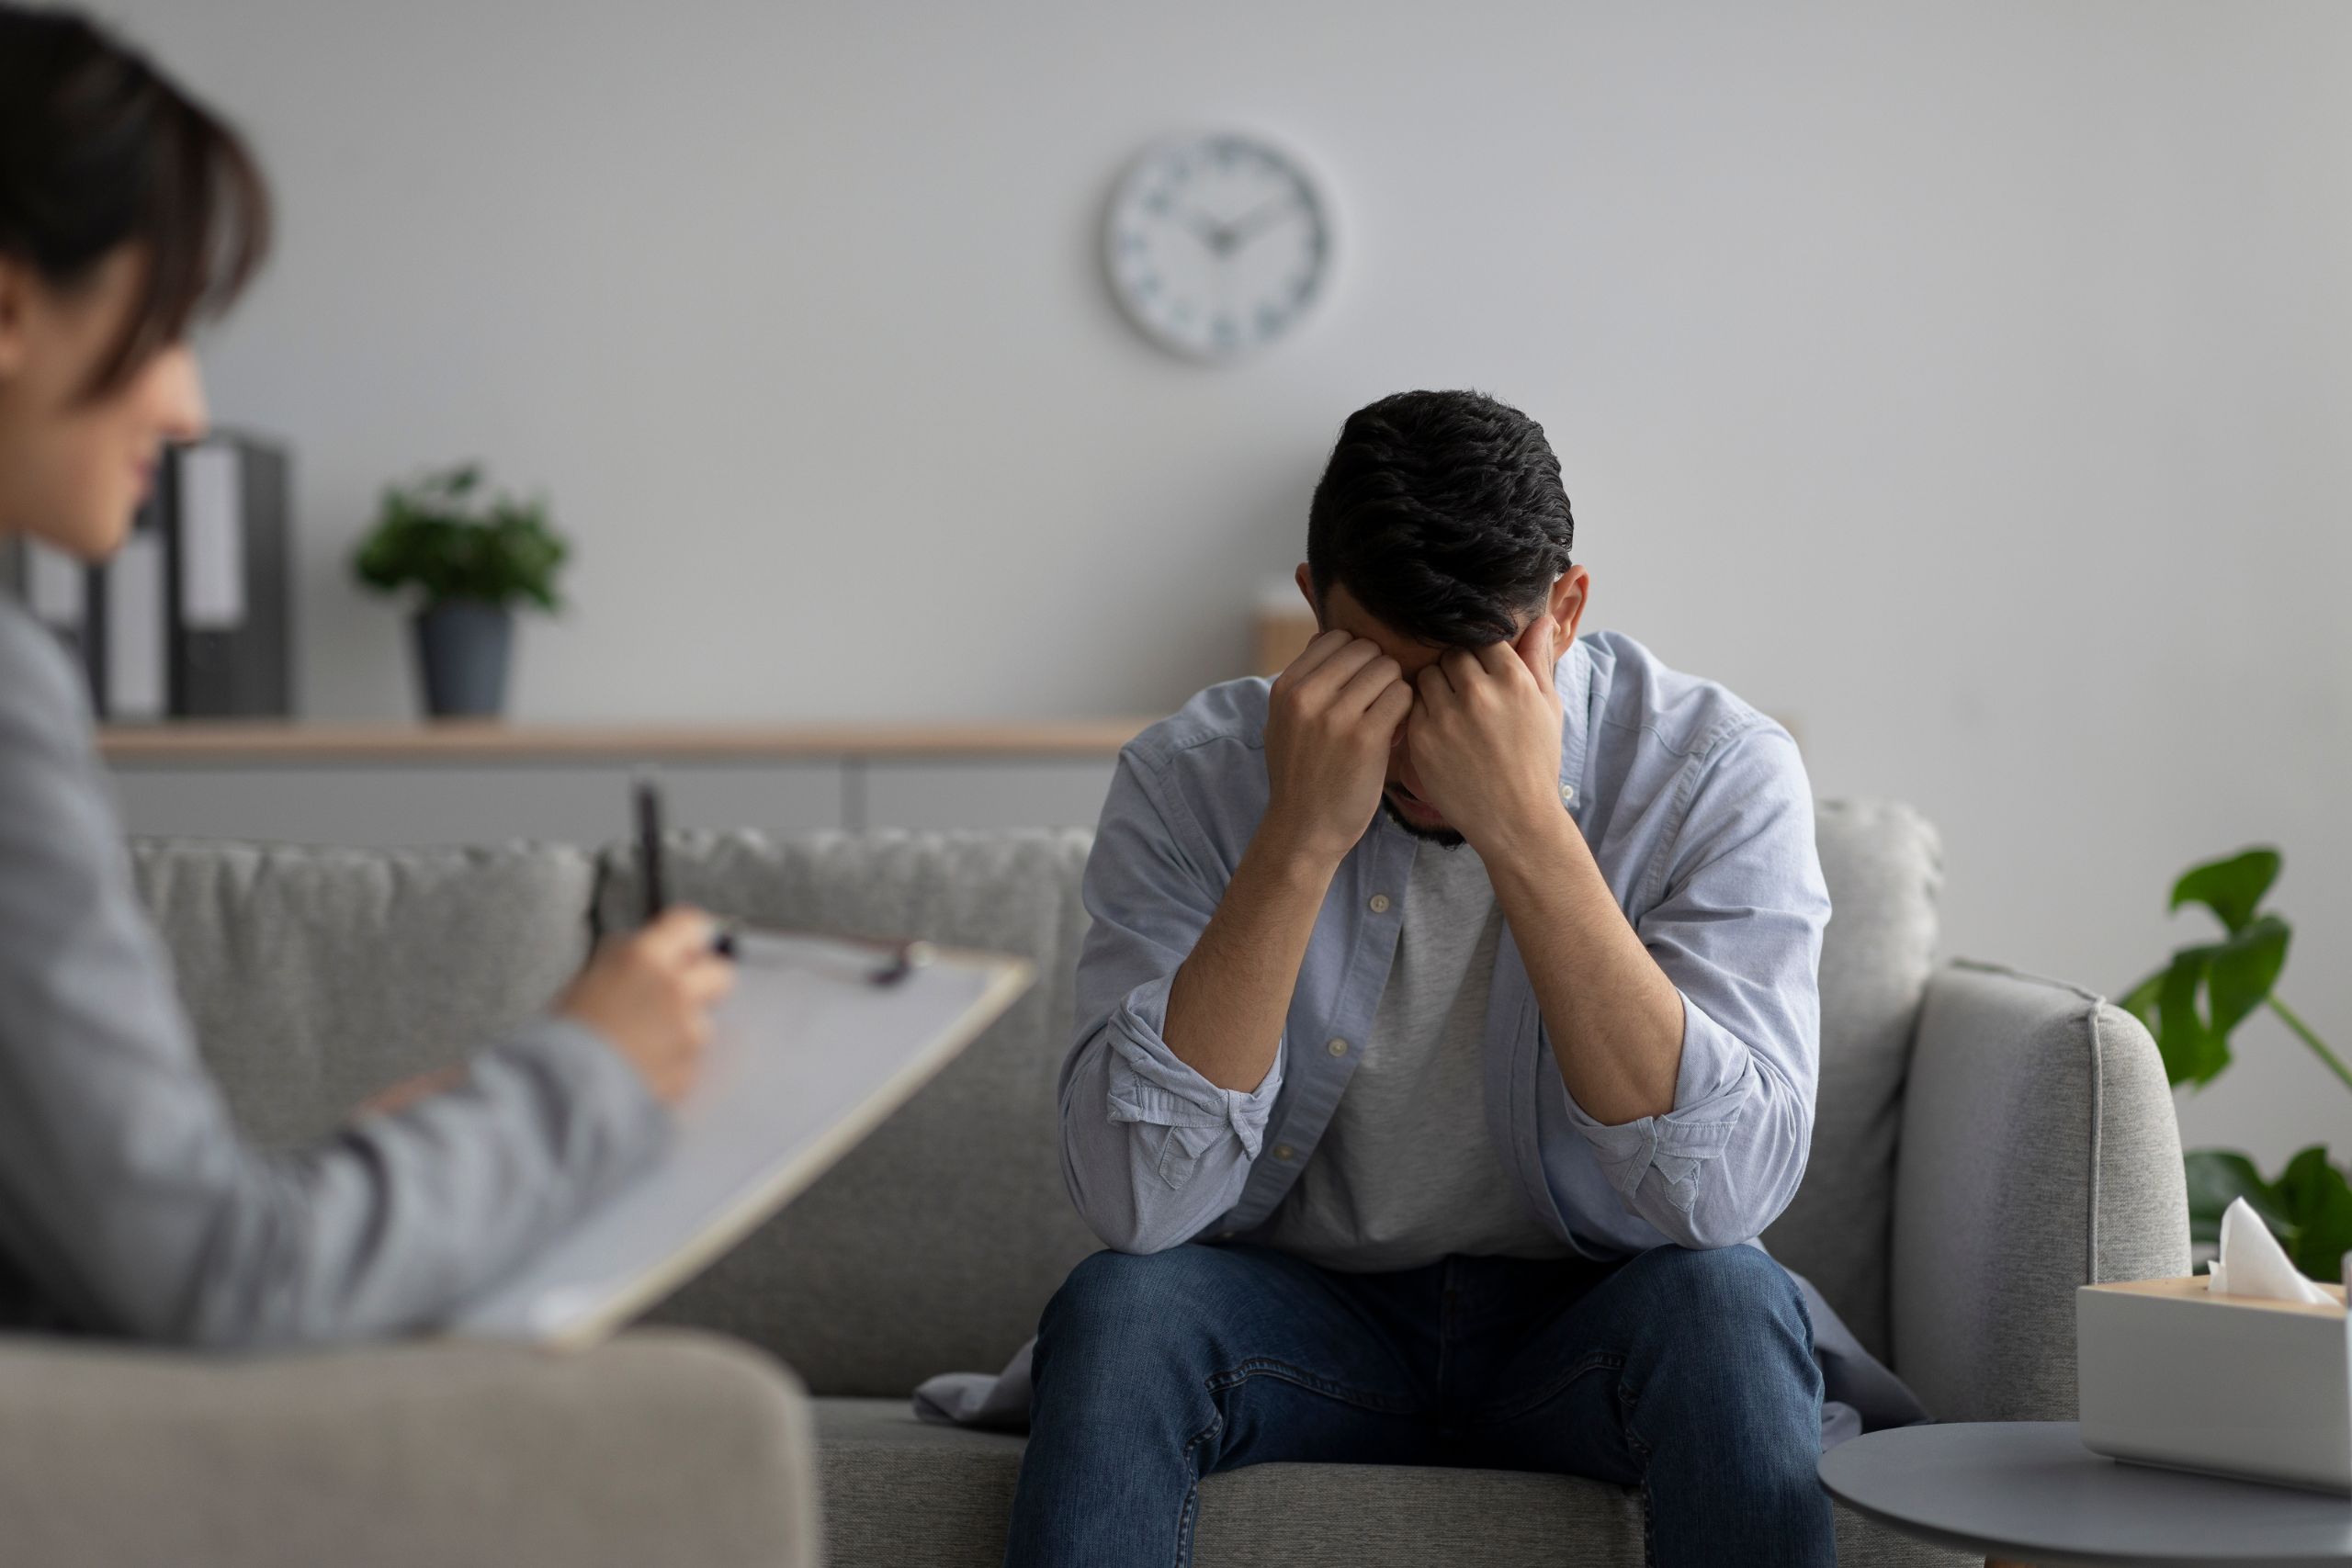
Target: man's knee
<point>1125,1301</point>
<point>1728,1327</point>
<point>1734,1298</point>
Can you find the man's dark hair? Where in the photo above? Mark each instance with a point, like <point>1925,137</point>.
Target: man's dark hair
<point>98,149</point>
<point>1443,514</point>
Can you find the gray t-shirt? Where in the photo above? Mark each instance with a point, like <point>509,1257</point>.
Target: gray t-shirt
<point>1407,1173</point>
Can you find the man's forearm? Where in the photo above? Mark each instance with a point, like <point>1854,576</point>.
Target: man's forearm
<point>1615,1020</point>
<point>1227,1004</point>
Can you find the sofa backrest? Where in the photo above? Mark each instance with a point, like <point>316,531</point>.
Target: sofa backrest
<point>315,977</point>
<point>1884,868</point>
<point>318,977</point>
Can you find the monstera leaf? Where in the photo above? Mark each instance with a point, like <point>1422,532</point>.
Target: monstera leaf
<point>2230,888</point>
<point>2308,1208</point>
<point>2191,1005</point>
<point>2208,989</point>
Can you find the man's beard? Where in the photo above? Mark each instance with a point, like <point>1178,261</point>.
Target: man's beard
<point>1444,837</point>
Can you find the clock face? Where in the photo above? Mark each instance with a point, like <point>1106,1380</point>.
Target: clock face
<point>1216,245</point>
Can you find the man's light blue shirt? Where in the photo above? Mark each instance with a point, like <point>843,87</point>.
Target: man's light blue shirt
<point>1699,812</point>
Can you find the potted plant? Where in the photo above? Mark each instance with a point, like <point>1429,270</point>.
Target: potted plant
<point>2191,1005</point>
<point>471,558</point>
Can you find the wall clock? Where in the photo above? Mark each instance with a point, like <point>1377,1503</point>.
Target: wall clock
<point>1218,244</point>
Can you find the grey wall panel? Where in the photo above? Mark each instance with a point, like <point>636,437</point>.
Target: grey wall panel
<point>1029,793</point>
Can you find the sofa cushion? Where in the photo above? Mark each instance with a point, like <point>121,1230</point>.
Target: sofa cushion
<point>900,1492</point>
<point>1884,867</point>
<point>934,1246</point>
<point>315,977</point>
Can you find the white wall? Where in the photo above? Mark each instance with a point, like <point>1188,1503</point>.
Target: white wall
<point>1971,382</point>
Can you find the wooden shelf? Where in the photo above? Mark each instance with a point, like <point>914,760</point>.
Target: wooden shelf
<point>479,740</point>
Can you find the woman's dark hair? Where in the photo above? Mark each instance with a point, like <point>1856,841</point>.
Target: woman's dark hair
<point>98,149</point>
<point>1444,514</point>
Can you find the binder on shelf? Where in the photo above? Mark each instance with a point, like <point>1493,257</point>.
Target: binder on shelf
<point>191,618</point>
<point>69,598</point>
<point>57,591</point>
<point>135,677</point>
<point>224,507</point>
<point>57,587</point>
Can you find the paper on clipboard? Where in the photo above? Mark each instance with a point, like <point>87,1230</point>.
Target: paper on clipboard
<point>809,1056</point>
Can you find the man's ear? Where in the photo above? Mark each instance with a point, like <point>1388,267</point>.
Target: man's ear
<point>1570,594</point>
<point>1305,580</point>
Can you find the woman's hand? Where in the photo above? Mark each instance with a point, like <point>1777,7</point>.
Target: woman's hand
<point>651,994</point>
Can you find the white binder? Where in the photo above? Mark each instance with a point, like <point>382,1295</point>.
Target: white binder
<point>811,1054</point>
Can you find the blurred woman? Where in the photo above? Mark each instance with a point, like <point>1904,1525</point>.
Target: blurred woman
<point>128,1204</point>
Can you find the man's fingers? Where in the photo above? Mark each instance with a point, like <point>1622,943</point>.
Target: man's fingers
<point>1337,668</point>
<point>1433,686</point>
<point>1318,648</point>
<point>1464,669</point>
<point>1501,660</point>
<point>1388,709</point>
<point>1368,683</point>
<point>1538,648</point>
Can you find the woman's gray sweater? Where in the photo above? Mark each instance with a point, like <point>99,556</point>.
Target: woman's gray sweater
<point>128,1204</point>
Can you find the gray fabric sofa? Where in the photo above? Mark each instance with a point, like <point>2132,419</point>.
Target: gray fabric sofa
<point>1987,1140</point>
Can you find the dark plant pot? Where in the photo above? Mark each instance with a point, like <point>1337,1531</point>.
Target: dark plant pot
<point>462,650</point>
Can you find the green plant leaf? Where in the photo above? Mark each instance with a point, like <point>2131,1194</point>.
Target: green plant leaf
<point>436,537</point>
<point>2192,1052</point>
<point>2230,887</point>
<point>2313,1196</point>
<point>2242,971</point>
<point>2217,1178</point>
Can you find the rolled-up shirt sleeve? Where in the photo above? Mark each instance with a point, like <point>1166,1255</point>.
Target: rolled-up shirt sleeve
<point>1152,1152</point>
<point>1737,929</point>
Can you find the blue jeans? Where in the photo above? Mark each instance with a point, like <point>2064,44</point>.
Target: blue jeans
<point>1687,1374</point>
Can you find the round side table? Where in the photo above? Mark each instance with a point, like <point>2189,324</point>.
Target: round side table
<point>2029,1492</point>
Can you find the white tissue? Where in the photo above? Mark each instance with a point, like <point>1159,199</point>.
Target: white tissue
<point>2254,1263</point>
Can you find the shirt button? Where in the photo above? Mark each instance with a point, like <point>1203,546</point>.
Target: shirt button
<point>1380,903</point>
<point>1284,1151</point>
<point>1567,795</point>
<point>1338,1047</point>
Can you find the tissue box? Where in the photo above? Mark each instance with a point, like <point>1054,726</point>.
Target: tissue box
<point>2169,1374</point>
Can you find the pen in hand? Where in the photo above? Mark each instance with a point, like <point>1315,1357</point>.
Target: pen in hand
<point>649,859</point>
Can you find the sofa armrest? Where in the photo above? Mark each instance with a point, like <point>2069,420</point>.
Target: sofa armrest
<point>660,1447</point>
<point>2038,1152</point>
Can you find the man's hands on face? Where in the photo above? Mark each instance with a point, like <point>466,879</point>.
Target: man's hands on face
<point>1485,738</point>
<point>1333,718</point>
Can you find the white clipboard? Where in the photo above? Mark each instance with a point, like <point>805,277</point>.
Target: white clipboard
<point>811,1052</point>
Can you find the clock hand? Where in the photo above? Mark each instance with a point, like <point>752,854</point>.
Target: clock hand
<point>1257,222</point>
<point>1215,235</point>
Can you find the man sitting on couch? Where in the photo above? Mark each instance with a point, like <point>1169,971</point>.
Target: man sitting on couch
<point>1448,1031</point>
